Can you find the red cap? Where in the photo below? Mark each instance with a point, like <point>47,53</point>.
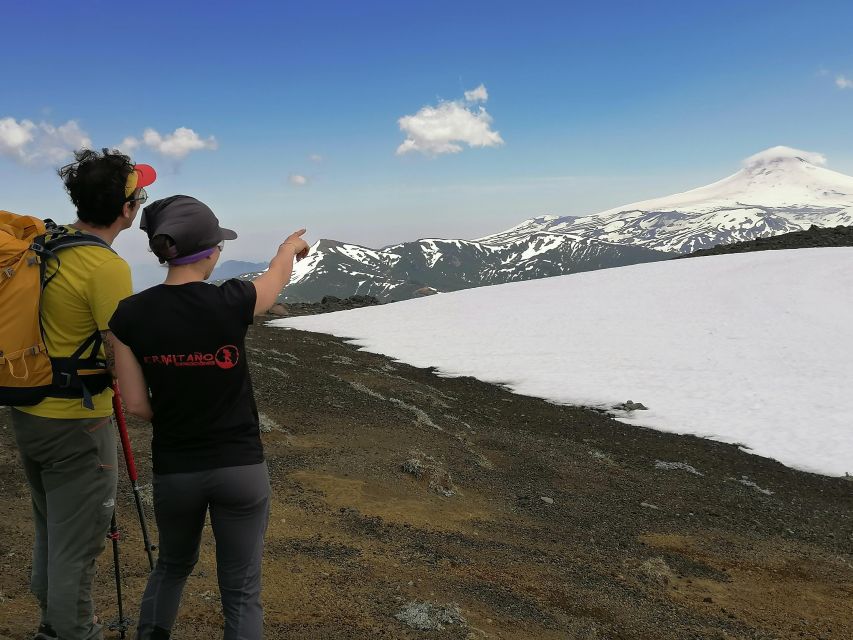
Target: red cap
<point>147,175</point>
<point>141,176</point>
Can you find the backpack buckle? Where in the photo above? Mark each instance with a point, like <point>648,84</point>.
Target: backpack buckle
<point>64,380</point>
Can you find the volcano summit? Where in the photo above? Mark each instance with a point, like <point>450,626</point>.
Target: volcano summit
<point>777,191</point>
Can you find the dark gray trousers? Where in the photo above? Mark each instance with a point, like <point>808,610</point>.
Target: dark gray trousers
<point>238,499</point>
<point>71,469</point>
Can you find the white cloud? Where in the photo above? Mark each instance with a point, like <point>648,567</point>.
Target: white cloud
<point>56,143</point>
<point>477,95</point>
<point>445,127</point>
<point>129,144</point>
<point>297,180</point>
<point>40,143</point>
<point>176,145</point>
<point>782,152</point>
<point>843,82</point>
<point>315,157</point>
<point>15,136</point>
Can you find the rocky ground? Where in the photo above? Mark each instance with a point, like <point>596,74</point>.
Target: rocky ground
<point>408,505</point>
<point>812,237</point>
<point>328,304</point>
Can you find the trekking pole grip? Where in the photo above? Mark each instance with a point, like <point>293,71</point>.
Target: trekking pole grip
<point>122,430</point>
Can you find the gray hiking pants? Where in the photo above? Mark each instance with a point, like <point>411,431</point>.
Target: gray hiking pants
<point>71,469</point>
<point>238,499</point>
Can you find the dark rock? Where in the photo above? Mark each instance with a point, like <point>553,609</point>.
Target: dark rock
<point>812,237</point>
<point>632,406</point>
<point>329,304</point>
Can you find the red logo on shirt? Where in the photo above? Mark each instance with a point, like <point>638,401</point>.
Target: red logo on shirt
<point>225,357</point>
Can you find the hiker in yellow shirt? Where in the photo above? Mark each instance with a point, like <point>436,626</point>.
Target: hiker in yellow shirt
<point>67,441</point>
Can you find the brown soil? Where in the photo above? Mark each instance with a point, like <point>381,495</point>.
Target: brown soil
<point>620,550</point>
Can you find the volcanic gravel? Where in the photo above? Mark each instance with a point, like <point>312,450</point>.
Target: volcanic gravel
<point>561,523</point>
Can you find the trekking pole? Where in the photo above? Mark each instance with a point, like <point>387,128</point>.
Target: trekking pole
<point>121,625</point>
<point>131,472</point>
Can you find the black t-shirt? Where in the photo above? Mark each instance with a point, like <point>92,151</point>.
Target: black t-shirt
<point>190,341</point>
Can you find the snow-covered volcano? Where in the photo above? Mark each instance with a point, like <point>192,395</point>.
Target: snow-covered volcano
<point>778,190</point>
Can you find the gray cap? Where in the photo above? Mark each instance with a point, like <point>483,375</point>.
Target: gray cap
<point>190,224</point>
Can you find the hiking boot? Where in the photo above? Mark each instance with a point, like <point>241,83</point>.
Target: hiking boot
<point>45,632</point>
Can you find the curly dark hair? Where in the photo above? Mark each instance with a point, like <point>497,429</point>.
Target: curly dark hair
<point>95,181</point>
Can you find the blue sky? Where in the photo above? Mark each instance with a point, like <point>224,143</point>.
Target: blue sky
<point>593,106</point>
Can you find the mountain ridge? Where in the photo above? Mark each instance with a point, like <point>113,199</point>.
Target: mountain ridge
<point>777,191</point>
<point>406,269</point>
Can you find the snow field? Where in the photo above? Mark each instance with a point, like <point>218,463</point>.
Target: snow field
<point>750,348</point>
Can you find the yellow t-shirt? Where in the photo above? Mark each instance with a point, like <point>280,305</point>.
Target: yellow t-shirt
<point>88,286</point>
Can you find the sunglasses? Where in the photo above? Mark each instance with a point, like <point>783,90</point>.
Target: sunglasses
<point>140,197</point>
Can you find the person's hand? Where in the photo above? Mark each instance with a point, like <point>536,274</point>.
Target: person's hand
<point>300,247</point>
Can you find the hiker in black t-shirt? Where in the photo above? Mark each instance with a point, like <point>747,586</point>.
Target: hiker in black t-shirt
<point>181,361</point>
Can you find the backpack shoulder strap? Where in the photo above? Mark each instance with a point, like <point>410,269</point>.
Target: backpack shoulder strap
<point>57,238</point>
<point>60,238</point>
<point>68,382</point>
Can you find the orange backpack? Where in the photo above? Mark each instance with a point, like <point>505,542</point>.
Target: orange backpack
<point>27,372</point>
